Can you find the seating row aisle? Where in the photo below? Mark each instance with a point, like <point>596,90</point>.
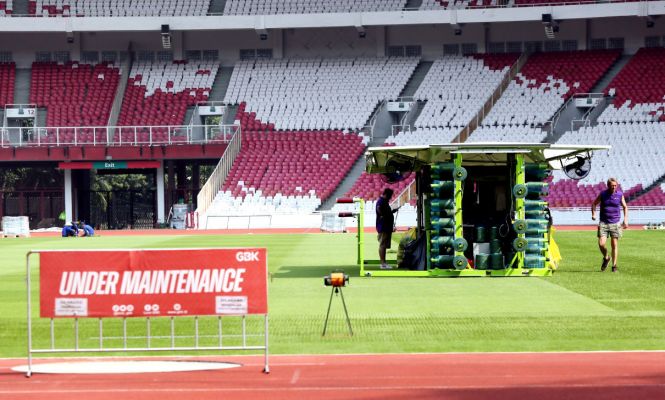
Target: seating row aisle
<point>305,94</point>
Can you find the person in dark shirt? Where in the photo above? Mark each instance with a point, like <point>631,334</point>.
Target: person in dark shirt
<point>68,231</point>
<point>385,221</point>
<point>611,203</point>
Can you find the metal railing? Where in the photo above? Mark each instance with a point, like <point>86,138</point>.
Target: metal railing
<point>116,135</point>
<point>555,118</point>
<point>405,196</point>
<point>216,180</point>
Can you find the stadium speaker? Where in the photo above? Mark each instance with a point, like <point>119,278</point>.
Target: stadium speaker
<point>70,37</point>
<point>650,22</point>
<point>362,34</point>
<point>166,30</point>
<point>547,18</point>
<point>263,36</point>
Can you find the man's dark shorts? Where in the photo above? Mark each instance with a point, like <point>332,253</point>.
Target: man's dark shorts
<point>385,239</point>
<point>613,231</point>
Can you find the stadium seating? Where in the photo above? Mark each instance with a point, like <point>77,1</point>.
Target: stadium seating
<point>638,89</point>
<point>6,8</point>
<point>455,88</point>
<point>634,159</point>
<point>75,95</point>
<point>654,197</point>
<point>159,93</point>
<point>543,85</point>
<point>459,4</point>
<point>285,171</point>
<point>508,133</point>
<point>271,7</point>
<point>117,8</point>
<point>633,126</point>
<point>7,77</point>
<point>306,94</point>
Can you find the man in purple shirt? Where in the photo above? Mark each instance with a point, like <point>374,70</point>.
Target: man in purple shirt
<point>611,202</point>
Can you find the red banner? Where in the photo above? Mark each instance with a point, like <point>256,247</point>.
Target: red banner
<point>152,283</point>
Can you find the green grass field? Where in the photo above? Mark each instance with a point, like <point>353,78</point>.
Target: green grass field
<point>578,308</point>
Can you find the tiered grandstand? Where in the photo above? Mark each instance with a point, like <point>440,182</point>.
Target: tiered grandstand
<point>120,8</point>
<point>318,93</point>
<point>310,84</point>
<point>74,94</point>
<point>158,95</point>
<point>243,7</point>
<point>304,116</point>
<point>543,85</point>
<point>285,171</point>
<point>633,124</point>
<point>454,90</point>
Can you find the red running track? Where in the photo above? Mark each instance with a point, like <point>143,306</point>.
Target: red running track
<point>470,376</point>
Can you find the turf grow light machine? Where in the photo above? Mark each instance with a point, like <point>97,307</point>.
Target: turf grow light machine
<point>481,207</point>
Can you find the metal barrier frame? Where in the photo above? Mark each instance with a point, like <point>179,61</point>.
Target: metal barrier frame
<point>148,338</point>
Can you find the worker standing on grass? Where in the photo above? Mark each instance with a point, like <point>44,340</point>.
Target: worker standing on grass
<point>385,223</point>
<point>611,202</point>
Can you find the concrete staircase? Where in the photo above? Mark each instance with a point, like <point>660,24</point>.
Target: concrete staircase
<point>413,4</point>
<point>20,7</point>
<point>618,65</point>
<point>22,85</point>
<point>416,79</point>
<point>636,195</point>
<point>351,177</point>
<point>569,112</point>
<point>221,84</point>
<point>216,7</point>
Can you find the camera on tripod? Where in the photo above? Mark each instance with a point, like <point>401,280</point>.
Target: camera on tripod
<point>336,279</point>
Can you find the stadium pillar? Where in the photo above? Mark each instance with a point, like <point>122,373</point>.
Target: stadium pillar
<point>196,169</point>
<point>69,211</point>
<point>160,193</point>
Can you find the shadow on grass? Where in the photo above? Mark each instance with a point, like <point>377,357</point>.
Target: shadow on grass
<point>316,271</point>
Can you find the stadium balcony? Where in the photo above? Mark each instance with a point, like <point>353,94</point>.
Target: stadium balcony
<point>314,94</point>
<point>7,78</point>
<point>117,8</point>
<point>285,171</point>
